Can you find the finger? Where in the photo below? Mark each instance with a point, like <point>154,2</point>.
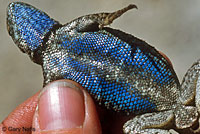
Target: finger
<point>21,117</point>
<point>165,56</point>
<point>64,107</point>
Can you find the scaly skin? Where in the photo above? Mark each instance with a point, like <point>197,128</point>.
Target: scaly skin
<point>121,72</point>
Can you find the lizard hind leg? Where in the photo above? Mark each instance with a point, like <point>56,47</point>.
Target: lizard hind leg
<point>150,123</point>
<point>190,89</point>
<point>185,116</point>
<point>197,100</point>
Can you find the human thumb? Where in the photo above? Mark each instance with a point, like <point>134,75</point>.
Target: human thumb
<point>64,107</point>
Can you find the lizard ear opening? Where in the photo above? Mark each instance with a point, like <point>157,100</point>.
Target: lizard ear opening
<point>28,26</point>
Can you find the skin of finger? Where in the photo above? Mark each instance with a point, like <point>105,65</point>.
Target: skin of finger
<point>39,131</point>
<point>22,116</point>
<point>91,123</point>
<point>165,56</point>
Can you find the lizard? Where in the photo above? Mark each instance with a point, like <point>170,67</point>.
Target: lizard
<point>121,72</point>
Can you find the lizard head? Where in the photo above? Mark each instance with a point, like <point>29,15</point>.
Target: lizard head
<point>28,27</point>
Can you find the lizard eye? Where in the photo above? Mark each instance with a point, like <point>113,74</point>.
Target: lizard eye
<point>27,25</point>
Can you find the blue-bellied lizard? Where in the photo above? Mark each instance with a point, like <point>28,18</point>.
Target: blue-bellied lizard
<point>121,72</point>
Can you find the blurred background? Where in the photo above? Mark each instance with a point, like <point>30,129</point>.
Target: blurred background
<point>171,26</point>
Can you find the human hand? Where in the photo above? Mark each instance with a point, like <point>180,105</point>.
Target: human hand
<point>62,107</point>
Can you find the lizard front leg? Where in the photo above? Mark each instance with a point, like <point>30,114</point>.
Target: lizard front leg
<point>97,21</point>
